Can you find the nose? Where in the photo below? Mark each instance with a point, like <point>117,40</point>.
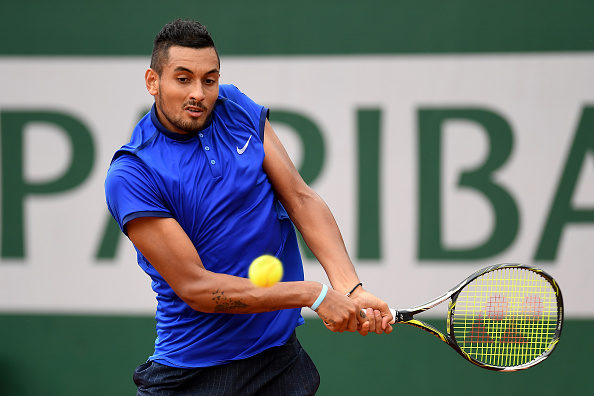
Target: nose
<point>197,92</point>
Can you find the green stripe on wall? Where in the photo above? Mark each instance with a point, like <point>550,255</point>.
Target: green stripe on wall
<point>96,355</point>
<point>110,27</point>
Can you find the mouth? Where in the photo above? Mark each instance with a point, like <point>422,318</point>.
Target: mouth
<point>194,111</point>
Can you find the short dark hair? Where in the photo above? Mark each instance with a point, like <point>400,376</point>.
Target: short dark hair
<point>182,32</point>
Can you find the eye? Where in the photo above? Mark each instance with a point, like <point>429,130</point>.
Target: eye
<point>183,79</point>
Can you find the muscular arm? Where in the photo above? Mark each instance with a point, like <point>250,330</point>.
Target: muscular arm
<point>313,218</point>
<point>166,246</point>
<point>309,213</point>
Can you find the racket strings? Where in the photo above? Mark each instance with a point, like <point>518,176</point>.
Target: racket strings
<point>506,317</point>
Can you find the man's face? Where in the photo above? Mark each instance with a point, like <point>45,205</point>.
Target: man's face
<point>186,91</point>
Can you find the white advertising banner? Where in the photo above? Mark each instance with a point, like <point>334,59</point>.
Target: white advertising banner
<point>434,166</point>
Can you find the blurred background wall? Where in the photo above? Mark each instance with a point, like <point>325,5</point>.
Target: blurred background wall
<point>445,136</point>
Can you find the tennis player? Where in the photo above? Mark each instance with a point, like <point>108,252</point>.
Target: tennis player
<point>204,187</point>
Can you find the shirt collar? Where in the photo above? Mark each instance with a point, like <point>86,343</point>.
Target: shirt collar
<point>167,132</point>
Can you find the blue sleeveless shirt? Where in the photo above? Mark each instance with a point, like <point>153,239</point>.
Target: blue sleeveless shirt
<point>213,184</point>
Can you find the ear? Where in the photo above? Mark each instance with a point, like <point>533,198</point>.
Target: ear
<point>151,78</point>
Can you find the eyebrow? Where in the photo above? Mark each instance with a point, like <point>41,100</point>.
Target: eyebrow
<point>184,69</point>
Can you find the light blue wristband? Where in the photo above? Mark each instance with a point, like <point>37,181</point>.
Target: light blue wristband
<point>321,297</point>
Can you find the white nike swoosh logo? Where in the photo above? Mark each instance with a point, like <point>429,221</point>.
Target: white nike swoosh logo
<point>242,150</point>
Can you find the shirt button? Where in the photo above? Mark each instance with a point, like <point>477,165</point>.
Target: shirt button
<point>201,135</point>
<point>213,162</point>
<point>206,148</point>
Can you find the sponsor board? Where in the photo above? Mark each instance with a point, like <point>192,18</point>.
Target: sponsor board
<point>434,166</point>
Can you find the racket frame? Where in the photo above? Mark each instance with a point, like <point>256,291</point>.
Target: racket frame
<point>406,316</point>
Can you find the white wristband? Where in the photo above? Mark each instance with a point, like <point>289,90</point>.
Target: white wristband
<point>321,297</point>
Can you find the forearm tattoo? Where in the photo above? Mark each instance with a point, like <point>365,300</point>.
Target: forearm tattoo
<point>224,304</point>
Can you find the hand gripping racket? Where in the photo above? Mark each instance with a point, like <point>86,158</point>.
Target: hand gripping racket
<point>505,317</point>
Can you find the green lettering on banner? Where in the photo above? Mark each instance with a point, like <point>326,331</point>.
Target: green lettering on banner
<point>430,245</point>
<point>311,139</point>
<point>314,150</point>
<point>369,143</point>
<point>112,235</point>
<point>110,240</point>
<point>562,210</point>
<point>14,186</point>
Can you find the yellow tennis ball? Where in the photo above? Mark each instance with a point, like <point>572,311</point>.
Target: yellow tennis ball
<point>265,271</point>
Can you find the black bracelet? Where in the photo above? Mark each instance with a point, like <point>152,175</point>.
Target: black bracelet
<point>351,292</point>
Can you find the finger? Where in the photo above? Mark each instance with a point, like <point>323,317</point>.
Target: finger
<point>330,326</point>
<point>387,321</point>
<point>362,320</point>
<point>362,316</point>
<point>355,322</point>
<point>379,325</point>
<point>348,324</point>
<point>364,329</point>
<point>371,319</point>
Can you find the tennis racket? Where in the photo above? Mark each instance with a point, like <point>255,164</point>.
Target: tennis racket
<point>505,317</point>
